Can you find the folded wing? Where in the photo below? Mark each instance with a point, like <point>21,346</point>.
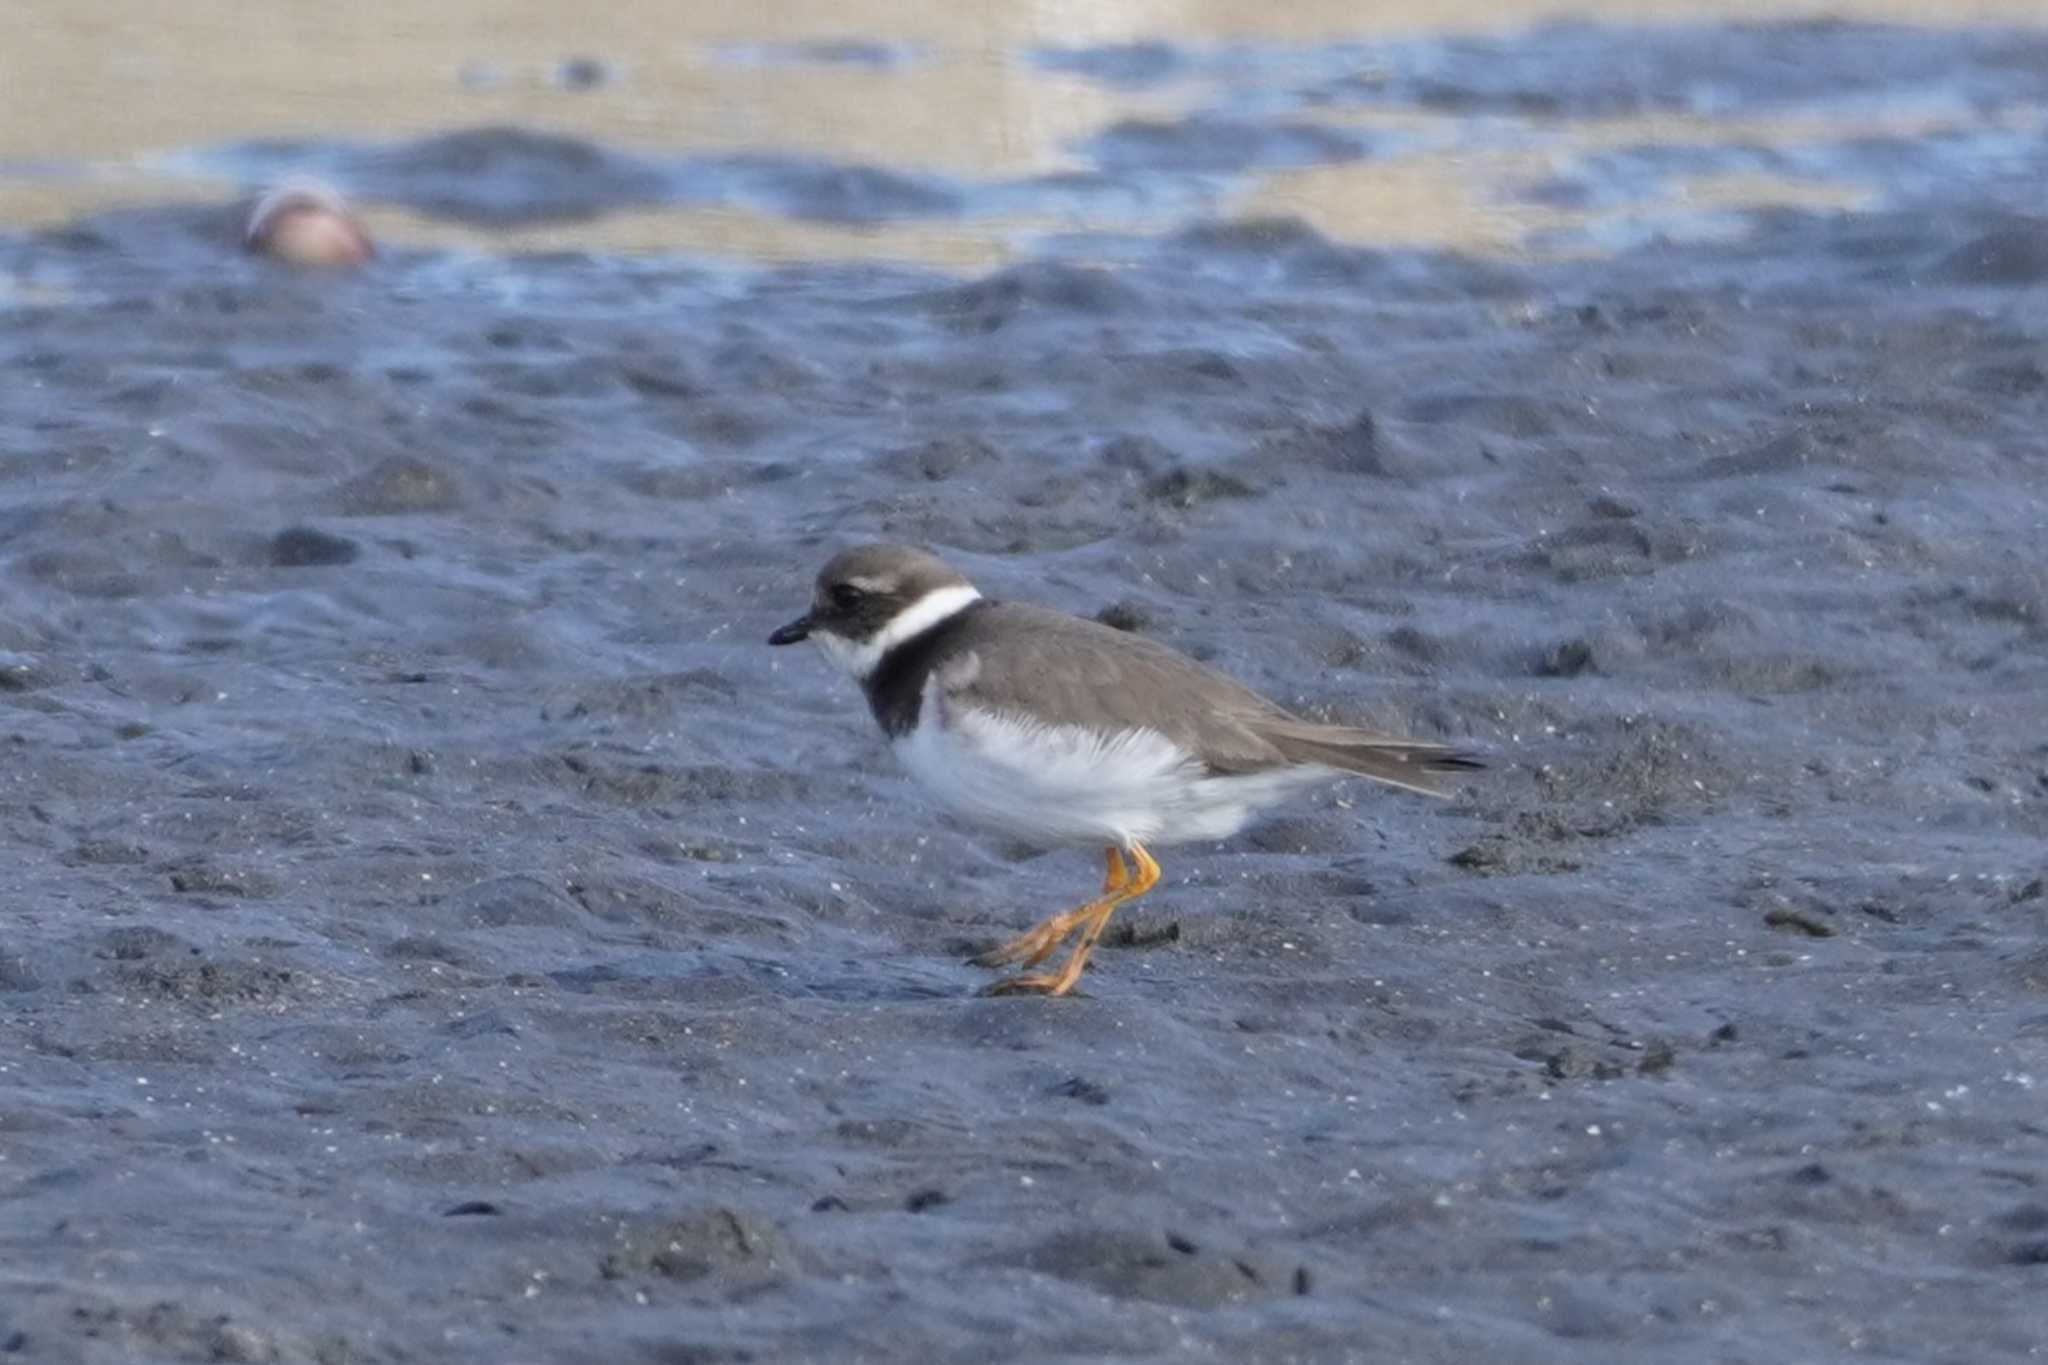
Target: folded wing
<point>1038,663</point>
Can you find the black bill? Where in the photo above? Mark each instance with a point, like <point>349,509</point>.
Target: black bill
<point>796,630</point>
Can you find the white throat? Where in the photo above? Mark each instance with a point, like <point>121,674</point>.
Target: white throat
<point>859,658</point>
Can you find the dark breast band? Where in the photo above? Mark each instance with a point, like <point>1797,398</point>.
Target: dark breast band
<point>896,688</point>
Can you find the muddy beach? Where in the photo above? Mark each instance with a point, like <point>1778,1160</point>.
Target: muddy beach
<point>435,927</point>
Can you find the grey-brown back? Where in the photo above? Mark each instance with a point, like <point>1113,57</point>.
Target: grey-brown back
<point>1065,670</point>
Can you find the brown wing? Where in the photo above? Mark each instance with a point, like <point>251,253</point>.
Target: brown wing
<point>1045,662</point>
<point>1036,661</point>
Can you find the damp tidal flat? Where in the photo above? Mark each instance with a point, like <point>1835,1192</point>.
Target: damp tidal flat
<point>437,927</point>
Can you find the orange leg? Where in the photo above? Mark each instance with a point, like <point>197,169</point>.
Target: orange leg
<point>1040,942</point>
<point>1143,877</point>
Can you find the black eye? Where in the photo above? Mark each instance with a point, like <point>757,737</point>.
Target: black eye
<point>846,597</point>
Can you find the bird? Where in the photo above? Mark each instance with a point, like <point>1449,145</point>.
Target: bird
<point>1061,731</point>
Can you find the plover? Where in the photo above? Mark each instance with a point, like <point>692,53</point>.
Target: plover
<point>1063,731</point>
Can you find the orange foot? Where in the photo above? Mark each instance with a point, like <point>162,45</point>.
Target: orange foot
<point>1039,942</point>
<point>1120,885</point>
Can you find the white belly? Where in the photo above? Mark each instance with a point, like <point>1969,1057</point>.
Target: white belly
<point>1065,785</point>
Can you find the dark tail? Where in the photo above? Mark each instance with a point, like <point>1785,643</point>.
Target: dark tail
<point>1412,765</point>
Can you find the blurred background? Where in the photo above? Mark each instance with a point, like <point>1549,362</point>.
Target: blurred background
<point>961,134</point>
<point>435,927</point>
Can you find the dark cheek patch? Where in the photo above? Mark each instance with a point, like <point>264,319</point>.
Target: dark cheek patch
<point>857,622</point>
<point>872,613</point>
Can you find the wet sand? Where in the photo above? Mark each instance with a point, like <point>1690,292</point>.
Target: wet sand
<point>437,928</point>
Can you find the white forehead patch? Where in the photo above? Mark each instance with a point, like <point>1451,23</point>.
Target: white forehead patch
<point>860,657</point>
<point>881,585</point>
